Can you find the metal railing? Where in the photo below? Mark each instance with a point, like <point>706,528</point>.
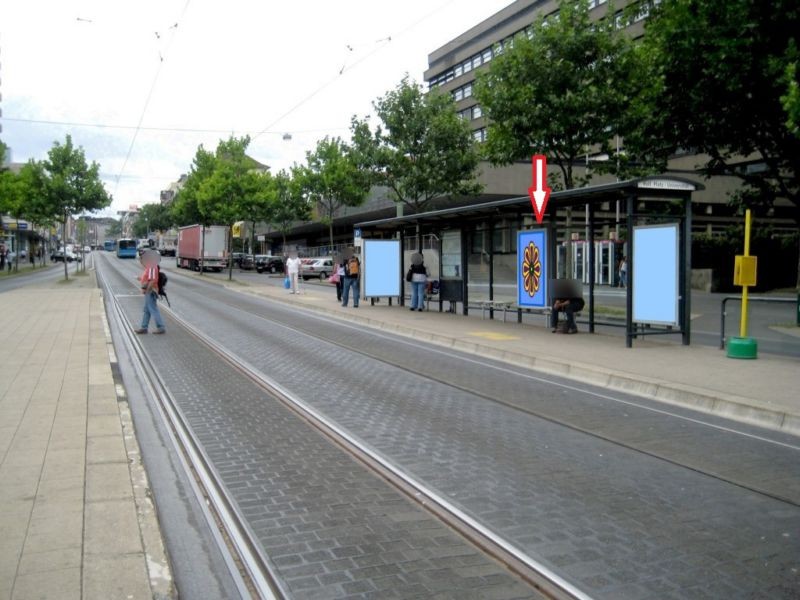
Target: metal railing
<point>757,299</point>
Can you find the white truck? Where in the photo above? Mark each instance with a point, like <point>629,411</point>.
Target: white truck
<point>198,251</point>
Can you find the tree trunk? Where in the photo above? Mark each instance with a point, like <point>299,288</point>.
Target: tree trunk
<point>64,240</point>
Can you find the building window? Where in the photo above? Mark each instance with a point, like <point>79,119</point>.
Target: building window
<point>479,135</point>
<point>458,94</point>
<point>477,112</point>
<point>487,55</point>
<point>468,66</point>
<point>476,61</point>
<point>468,90</point>
<point>459,71</point>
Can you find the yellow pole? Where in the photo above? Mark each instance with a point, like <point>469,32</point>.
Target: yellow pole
<point>743,325</point>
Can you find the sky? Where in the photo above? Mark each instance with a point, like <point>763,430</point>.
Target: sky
<point>139,85</point>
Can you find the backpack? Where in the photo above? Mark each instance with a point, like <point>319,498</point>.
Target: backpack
<point>352,267</point>
<point>162,285</point>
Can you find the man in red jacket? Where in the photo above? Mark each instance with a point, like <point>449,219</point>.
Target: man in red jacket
<point>149,285</point>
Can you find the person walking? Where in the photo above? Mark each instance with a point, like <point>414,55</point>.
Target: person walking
<point>418,277</point>
<point>149,285</point>
<point>351,274</point>
<point>623,273</point>
<point>341,267</point>
<point>293,272</point>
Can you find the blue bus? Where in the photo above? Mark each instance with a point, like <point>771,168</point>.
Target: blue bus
<point>110,245</point>
<point>126,248</point>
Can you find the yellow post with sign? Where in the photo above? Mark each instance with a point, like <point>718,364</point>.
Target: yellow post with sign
<point>744,274</point>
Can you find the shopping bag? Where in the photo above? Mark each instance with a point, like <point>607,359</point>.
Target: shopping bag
<point>287,283</point>
<point>334,278</point>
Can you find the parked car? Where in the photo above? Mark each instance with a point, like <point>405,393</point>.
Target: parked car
<point>318,268</point>
<point>59,255</point>
<point>247,262</point>
<point>237,258</point>
<point>270,264</point>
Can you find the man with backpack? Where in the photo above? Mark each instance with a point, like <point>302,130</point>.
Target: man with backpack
<point>352,270</point>
<point>149,284</point>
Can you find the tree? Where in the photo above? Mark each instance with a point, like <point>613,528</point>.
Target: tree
<point>229,191</point>
<point>422,149</point>
<point>152,217</point>
<point>18,197</point>
<point>721,85</point>
<point>739,78</point>
<point>186,209</point>
<point>288,204</point>
<point>70,185</point>
<point>559,91</point>
<point>332,179</point>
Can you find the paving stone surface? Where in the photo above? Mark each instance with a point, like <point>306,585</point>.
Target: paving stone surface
<point>597,508</point>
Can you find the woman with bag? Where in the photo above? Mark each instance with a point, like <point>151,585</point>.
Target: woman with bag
<point>292,272</point>
<point>338,276</point>
<point>418,277</point>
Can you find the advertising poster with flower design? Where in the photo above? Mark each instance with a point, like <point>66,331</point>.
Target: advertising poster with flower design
<point>532,268</point>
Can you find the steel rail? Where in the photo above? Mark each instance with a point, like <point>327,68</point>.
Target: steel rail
<point>207,485</point>
<point>724,312</point>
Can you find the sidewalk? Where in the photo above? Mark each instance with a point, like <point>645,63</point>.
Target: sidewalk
<point>765,391</point>
<point>75,519</point>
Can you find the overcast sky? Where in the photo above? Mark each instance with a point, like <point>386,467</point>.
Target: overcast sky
<point>208,68</point>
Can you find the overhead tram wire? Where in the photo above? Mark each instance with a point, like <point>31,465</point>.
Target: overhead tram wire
<point>347,68</point>
<point>165,129</point>
<point>150,94</point>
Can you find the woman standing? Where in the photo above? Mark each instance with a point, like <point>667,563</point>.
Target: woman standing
<point>293,271</point>
<point>418,276</point>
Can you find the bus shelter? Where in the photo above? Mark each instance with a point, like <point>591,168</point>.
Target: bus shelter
<point>655,214</point>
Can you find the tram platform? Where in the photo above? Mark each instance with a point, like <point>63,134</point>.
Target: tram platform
<point>761,392</point>
<point>75,518</point>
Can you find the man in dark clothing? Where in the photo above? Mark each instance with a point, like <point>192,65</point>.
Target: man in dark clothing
<point>569,306</point>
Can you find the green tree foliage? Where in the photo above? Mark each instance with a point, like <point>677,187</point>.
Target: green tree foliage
<point>152,217</point>
<point>332,179</point>
<point>560,91</point>
<point>70,185</point>
<point>288,204</point>
<point>185,208</point>
<point>235,190</point>
<point>718,71</point>
<point>19,197</point>
<point>421,150</point>
<point>791,100</point>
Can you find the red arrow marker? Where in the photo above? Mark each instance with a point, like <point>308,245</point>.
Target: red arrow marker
<point>539,192</point>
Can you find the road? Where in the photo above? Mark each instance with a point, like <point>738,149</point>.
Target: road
<point>614,495</point>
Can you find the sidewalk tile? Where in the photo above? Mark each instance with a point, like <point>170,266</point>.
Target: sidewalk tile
<point>62,584</point>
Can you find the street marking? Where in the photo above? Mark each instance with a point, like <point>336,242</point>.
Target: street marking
<point>491,335</point>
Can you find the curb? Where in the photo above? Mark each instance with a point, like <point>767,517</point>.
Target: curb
<point>735,408</point>
<point>158,568</point>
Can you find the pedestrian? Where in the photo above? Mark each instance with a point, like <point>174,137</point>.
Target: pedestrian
<point>623,273</point>
<point>2,256</point>
<point>293,272</point>
<point>418,277</point>
<point>341,266</point>
<point>352,272</point>
<point>149,284</point>
<point>569,306</point>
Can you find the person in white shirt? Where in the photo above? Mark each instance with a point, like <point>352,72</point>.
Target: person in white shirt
<point>293,271</point>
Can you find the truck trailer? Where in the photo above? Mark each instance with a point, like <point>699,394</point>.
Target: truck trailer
<point>195,253</point>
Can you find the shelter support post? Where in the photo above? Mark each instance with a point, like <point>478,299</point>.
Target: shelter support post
<point>590,242</point>
<point>629,331</point>
<point>686,272</point>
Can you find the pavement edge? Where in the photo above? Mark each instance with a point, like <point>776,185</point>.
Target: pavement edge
<point>158,567</point>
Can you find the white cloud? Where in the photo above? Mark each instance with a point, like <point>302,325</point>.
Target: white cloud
<point>238,66</point>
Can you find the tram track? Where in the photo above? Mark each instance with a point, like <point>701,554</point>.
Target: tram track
<point>439,377</point>
<point>257,576</point>
<point>417,490</point>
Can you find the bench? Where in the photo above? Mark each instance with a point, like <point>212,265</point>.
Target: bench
<point>492,305</point>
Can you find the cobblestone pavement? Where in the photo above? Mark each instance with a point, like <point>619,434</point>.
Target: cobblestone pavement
<point>617,521</point>
<point>331,528</point>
